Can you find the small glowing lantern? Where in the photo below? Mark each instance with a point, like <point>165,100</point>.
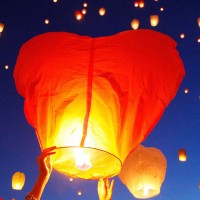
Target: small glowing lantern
<point>182,155</point>
<point>84,11</point>
<point>79,193</point>
<point>55,1</point>
<point>198,40</point>
<point>18,180</point>
<point>46,21</point>
<point>102,11</point>
<point>161,9</point>
<point>135,24</point>
<point>71,179</point>
<point>78,15</point>
<point>198,21</point>
<point>182,35</point>
<point>154,20</point>
<point>95,114</point>
<point>141,3</point>
<point>1,28</point>
<point>6,67</point>
<point>186,90</point>
<point>136,3</point>
<point>85,5</point>
<point>143,172</point>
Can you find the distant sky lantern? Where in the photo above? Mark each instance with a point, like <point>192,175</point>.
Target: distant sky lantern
<point>71,179</point>
<point>85,4</point>
<point>143,172</point>
<point>161,9</point>
<point>6,67</point>
<point>46,21</point>
<point>136,3</point>
<point>84,11</point>
<point>18,180</point>
<point>79,193</point>
<point>154,20</point>
<point>96,115</point>
<point>55,1</point>
<point>135,24</point>
<point>1,28</point>
<point>78,15</point>
<point>102,11</point>
<point>198,40</point>
<point>182,35</point>
<point>186,90</point>
<point>141,3</point>
<point>182,155</point>
<point>198,21</point>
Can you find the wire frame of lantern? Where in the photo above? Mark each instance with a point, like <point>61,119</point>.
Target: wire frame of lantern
<point>143,172</point>
<point>18,180</point>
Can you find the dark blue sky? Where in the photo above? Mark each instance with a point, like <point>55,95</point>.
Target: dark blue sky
<point>178,128</point>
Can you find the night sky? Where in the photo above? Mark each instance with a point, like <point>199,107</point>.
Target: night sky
<point>178,128</point>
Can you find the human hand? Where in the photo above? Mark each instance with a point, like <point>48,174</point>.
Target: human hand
<point>44,161</point>
<point>105,189</point>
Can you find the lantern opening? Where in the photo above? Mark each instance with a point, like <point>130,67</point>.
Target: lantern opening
<point>97,163</point>
<point>145,192</point>
<point>82,160</point>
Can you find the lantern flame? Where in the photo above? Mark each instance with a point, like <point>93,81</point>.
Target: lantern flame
<point>145,192</point>
<point>82,160</point>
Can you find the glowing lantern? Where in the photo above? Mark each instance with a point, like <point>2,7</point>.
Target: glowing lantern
<point>85,5</point>
<point>1,28</point>
<point>79,98</point>
<point>102,11</point>
<point>186,90</point>
<point>141,3</point>
<point>135,24</point>
<point>143,172</point>
<point>71,179</point>
<point>78,15</point>
<point>84,11</point>
<point>161,9</point>
<point>6,67</point>
<point>198,21</point>
<point>18,180</point>
<point>136,3</point>
<point>182,155</point>
<point>198,40</point>
<point>46,21</point>
<point>182,35</point>
<point>79,193</point>
<point>154,20</point>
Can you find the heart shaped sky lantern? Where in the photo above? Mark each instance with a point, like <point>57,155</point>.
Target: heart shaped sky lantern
<point>96,99</point>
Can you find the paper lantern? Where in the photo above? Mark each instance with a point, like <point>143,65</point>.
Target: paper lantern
<point>143,172</point>
<point>102,11</point>
<point>154,20</point>
<point>198,21</point>
<point>1,28</point>
<point>96,98</point>
<point>135,24</point>
<point>18,180</point>
<point>141,3</point>
<point>78,15</point>
<point>136,3</point>
<point>182,155</point>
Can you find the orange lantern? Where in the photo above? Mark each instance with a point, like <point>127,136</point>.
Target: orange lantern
<point>79,98</point>
<point>1,28</point>
<point>78,15</point>
<point>136,3</point>
<point>143,172</point>
<point>18,180</point>
<point>135,24</point>
<point>141,3</point>
<point>182,155</point>
<point>154,20</point>
<point>198,21</point>
<point>102,11</point>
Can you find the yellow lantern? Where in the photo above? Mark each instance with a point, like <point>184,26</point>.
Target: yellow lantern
<point>143,172</point>
<point>141,3</point>
<point>135,24</point>
<point>18,180</point>
<point>102,11</point>
<point>1,28</point>
<point>154,20</point>
<point>182,155</point>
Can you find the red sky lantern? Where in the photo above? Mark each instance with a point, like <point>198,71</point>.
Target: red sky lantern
<point>96,99</point>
